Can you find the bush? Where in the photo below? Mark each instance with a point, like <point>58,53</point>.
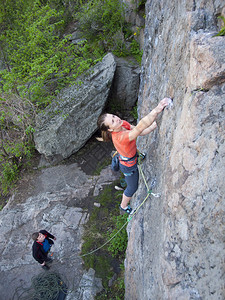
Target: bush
<point>135,50</point>
<point>37,60</point>
<point>99,20</point>
<point>16,138</point>
<point>9,176</point>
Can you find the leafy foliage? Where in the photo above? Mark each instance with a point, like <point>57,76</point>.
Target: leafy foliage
<point>37,60</point>
<point>103,24</point>
<point>100,20</point>
<point>140,4</point>
<point>16,134</point>
<point>134,112</point>
<point>222,30</point>
<point>135,50</point>
<point>116,291</point>
<point>118,244</point>
<point>9,175</point>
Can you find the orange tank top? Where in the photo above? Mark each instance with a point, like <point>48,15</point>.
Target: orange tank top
<point>124,146</point>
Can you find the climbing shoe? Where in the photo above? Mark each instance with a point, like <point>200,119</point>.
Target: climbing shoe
<point>49,260</point>
<point>118,188</point>
<point>45,267</point>
<point>128,210</point>
<point>122,185</point>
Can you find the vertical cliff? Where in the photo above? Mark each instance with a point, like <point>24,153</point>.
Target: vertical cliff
<point>176,242</point>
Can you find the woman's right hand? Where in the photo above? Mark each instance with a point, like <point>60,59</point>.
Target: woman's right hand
<point>148,120</point>
<point>163,103</point>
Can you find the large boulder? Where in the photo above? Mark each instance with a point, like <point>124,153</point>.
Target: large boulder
<point>70,120</point>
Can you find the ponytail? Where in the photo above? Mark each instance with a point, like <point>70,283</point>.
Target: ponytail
<point>106,135</point>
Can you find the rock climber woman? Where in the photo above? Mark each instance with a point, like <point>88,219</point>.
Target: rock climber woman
<point>124,136</point>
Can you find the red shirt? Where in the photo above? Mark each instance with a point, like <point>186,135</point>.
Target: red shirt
<point>123,145</point>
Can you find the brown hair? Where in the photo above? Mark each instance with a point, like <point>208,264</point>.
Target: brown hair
<point>35,236</point>
<point>106,135</point>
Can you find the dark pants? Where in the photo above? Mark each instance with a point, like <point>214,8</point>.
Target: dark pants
<point>131,177</point>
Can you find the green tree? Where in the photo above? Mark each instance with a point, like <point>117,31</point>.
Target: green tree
<point>16,135</point>
<point>100,21</point>
<point>103,24</point>
<point>37,62</point>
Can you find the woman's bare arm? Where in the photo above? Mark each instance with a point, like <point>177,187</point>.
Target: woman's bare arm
<point>149,129</point>
<point>148,120</point>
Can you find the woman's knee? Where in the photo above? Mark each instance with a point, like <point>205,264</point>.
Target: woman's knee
<point>132,183</point>
<point>129,191</point>
<point>131,188</point>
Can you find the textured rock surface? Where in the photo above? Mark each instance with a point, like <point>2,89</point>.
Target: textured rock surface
<point>71,120</point>
<point>125,85</point>
<point>89,286</point>
<point>59,203</point>
<point>135,15</point>
<point>176,242</point>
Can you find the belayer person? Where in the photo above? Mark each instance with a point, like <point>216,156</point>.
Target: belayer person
<point>123,136</point>
<point>43,241</point>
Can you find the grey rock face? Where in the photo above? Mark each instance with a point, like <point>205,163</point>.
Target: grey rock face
<point>71,120</point>
<point>89,286</point>
<point>176,242</point>
<point>134,14</point>
<point>59,204</point>
<point>125,86</point>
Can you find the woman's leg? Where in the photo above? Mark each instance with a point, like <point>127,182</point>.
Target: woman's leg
<point>125,201</point>
<point>132,186</point>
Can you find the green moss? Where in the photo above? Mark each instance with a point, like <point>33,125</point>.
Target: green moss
<point>116,291</point>
<point>119,243</point>
<point>134,112</point>
<point>115,105</point>
<point>102,165</point>
<point>103,222</point>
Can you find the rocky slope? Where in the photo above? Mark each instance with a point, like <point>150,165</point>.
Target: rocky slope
<point>176,242</point>
<point>58,199</point>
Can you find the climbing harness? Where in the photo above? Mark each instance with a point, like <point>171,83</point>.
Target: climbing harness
<point>116,158</point>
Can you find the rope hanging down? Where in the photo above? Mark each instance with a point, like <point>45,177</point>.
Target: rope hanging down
<point>51,284</point>
<point>149,192</point>
<point>130,216</point>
